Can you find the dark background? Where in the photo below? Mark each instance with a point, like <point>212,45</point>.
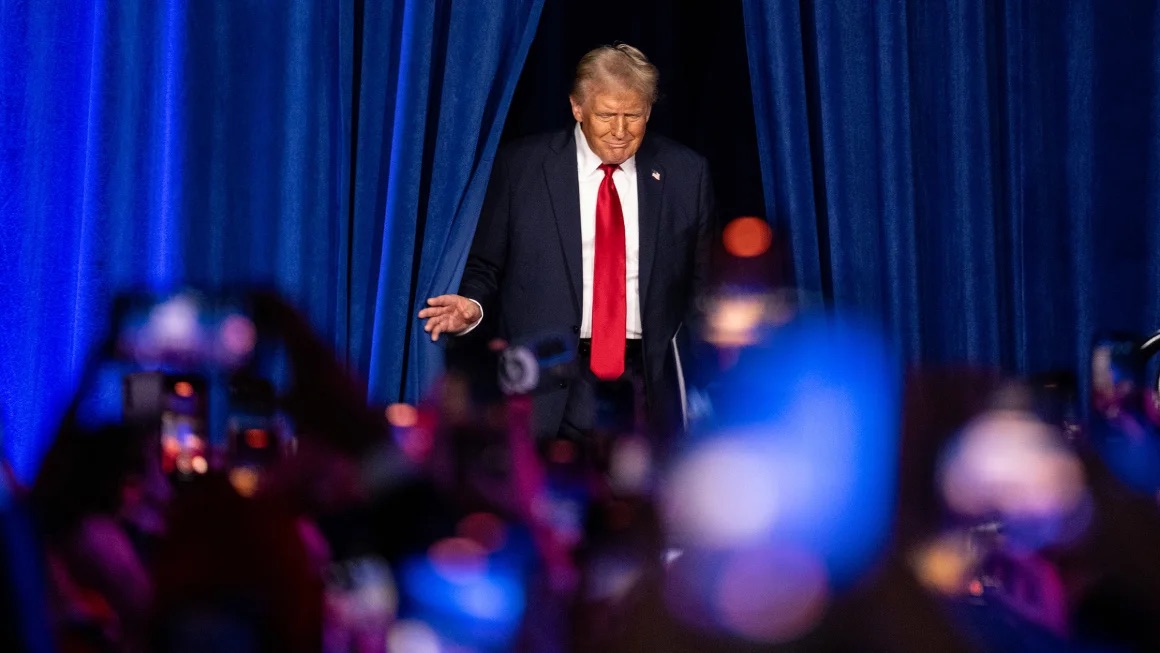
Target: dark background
<point>705,97</point>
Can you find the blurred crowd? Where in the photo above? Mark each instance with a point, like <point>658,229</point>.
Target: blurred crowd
<point>824,498</point>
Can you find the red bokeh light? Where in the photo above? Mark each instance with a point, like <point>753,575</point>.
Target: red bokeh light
<point>747,237</point>
<point>402,416</point>
<point>257,438</point>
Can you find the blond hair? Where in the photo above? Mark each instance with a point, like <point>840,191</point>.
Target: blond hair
<point>619,64</point>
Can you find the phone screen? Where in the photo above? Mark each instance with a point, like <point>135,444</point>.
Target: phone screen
<point>184,440</point>
<point>252,425</point>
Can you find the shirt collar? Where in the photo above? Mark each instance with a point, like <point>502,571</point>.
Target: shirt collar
<point>589,163</point>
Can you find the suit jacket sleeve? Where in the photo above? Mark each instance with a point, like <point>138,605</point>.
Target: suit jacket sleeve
<point>487,258</point>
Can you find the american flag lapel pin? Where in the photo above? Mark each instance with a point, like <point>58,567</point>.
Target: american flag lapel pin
<point>656,175</point>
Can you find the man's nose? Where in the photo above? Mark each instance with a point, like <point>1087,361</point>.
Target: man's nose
<point>619,127</point>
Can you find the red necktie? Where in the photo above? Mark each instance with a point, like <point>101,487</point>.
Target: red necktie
<point>609,304</point>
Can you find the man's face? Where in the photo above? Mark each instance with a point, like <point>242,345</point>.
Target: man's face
<point>613,119</point>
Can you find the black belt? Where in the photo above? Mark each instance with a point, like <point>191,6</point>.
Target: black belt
<point>632,348</point>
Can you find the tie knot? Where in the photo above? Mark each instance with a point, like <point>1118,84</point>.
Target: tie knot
<point>609,168</point>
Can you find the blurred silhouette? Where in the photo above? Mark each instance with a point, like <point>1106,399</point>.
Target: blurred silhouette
<point>88,489</point>
<point>817,505</point>
<point>235,574</point>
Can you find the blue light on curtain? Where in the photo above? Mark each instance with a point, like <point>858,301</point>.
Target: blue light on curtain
<point>153,143</point>
<point>166,115</point>
<point>980,176</point>
<point>86,150</point>
<point>336,151</point>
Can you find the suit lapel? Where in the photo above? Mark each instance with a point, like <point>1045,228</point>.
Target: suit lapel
<point>564,187</point>
<point>650,184</point>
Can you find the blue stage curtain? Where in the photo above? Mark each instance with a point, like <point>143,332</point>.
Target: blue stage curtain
<point>287,143</point>
<point>87,177</point>
<point>431,105</point>
<point>982,177</point>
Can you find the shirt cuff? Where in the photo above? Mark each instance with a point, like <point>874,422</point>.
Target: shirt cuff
<point>472,327</point>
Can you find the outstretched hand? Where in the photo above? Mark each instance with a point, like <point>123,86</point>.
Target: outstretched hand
<point>449,314</point>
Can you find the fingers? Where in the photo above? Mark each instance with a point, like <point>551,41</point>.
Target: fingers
<point>442,305</point>
<point>441,324</point>
<point>444,315</point>
<point>443,300</point>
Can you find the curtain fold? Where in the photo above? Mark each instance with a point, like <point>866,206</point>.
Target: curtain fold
<point>264,167</point>
<point>89,196</point>
<point>446,92</point>
<point>286,144</point>
<point>484,60</point>
<point>777,66</point>
<point>978,176</point>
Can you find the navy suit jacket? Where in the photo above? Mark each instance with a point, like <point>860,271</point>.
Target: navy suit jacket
<point>524,266</point>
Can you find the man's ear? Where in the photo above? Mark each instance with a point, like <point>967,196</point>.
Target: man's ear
<point>577,109</point>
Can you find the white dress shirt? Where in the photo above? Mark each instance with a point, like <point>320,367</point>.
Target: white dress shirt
<point>590,177</point>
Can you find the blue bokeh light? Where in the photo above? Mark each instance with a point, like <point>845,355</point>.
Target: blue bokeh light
<point>820,401</point>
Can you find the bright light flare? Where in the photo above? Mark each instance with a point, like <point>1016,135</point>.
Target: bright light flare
<point>199,464</point>
<point>945,564</point>
<point>631,465</point>
<point>770,593</point>
<point>734,321</point>
<point>743,317</point>
<point>806,426</point>
<point>244,481</point>
<point>722,495</point>
<point>1015,465</point>
<point>475,601</point>
<point>413,636</point>
<point>403,416</point>
<point>173,325</point>
<point>237,337</point>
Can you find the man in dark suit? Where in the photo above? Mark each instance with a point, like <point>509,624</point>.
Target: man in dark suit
<point>598,231</point>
